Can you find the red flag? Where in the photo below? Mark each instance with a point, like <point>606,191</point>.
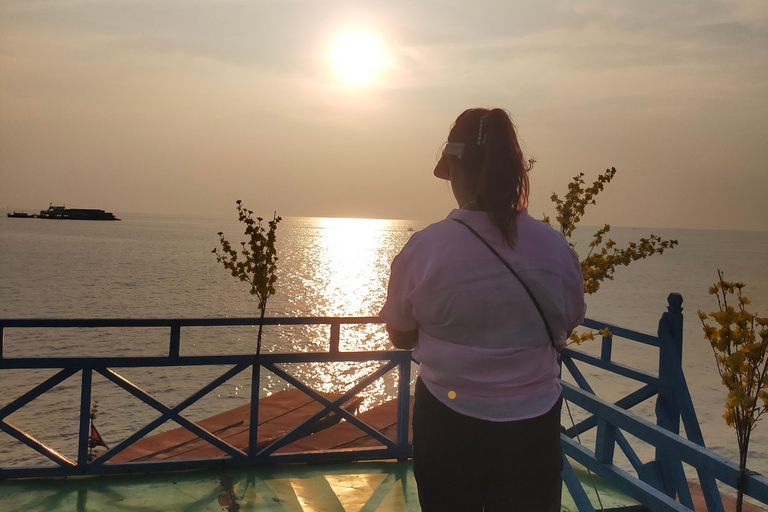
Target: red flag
<point>96,439</point>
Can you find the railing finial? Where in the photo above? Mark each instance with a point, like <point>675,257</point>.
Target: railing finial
<point>675,301</point>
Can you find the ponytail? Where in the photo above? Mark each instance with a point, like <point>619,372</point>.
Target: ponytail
<point>502,174</point>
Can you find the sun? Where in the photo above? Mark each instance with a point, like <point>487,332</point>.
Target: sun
<point>358,56</point>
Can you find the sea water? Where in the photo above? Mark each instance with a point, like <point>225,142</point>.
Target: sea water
<point>162,267</point>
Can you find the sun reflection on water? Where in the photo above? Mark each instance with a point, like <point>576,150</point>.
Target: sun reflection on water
<point>342,269</point>
<point>349,252</point>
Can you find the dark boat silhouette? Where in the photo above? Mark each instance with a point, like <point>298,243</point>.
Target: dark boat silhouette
<point>62,212</point>
<point>20,215</point>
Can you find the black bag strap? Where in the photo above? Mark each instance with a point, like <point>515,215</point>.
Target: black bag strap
<point>509,267</point>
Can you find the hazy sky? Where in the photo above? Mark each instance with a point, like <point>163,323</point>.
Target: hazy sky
<point>183,106</point>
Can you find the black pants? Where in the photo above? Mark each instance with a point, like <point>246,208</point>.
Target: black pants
<point>465,464</point>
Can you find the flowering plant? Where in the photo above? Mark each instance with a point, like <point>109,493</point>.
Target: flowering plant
<point>259,258</point>
<point>603,256</point>
<point>741,362</point>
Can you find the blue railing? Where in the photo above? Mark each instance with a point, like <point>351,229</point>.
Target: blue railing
<point>86,366</point>
<point>656,483</point>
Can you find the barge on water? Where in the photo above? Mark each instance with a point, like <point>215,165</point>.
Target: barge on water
<point>62,212</point>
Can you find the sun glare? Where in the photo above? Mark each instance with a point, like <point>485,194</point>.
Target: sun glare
<point>358,56</point>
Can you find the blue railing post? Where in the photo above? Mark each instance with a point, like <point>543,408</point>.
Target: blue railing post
<point>606,348</point>
<point>605,442</point>
<point>173,350</point>
<point>403,403</point>
<point>335,336</point>
<point>253,428</point>
<point>670,334</point>
<point>85,420</point>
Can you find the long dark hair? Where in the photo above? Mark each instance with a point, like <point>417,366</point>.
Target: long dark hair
<point>492,153</point>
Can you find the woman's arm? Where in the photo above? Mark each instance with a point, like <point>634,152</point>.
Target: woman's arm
<point>405,340</point>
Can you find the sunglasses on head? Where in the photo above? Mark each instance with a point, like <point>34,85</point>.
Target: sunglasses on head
<point>454,149</point>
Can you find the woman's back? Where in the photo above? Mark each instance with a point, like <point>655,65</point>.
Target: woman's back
<point>461,293</point>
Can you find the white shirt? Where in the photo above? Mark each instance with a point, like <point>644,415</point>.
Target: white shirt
<point>483,347</point>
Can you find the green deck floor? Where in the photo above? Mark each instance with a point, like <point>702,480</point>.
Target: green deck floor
<point>350,487</point>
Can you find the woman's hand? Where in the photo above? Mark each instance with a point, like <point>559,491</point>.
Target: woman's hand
<point>404,340</point>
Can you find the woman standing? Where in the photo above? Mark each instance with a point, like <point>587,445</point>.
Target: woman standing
<point>484,298</point>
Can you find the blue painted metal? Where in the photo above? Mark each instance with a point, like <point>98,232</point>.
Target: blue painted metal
<point>656,484</point>
<point>637,489</point>
<point>335,337</point>
<point>621,332</point>
<point>403,409</point>
<point>575,488</point>
<point>85,420</point>
<point>36,445</point>
<point>618,369</point>
<point>335,406</point>
<point>684,450</point>
<point>606,348</point>
<point>634,398</point>
<point>606,442</point>
<point>35,392</point>
<point>254,412</point>
<point>175,341</point>
<point>167,413</point>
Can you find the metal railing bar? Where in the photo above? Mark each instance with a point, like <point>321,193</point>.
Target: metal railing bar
<point>682,488</point>
<point>35,392</point>
<point>628,452</point>
<point>301,429</point>
<point>123,362</point>
<point>619,369</point>
<point>85,420</point>
<point>374,457</point>
<point>254,321</point>
<point>334,455</point>
<point>403,401</point>
<point>622,332</point>
<point>335,337</point>
<point>253,413</point>
<point>626,483</point>
<point>180,465</point>
<point>693,433</point>
<point>111,374</point>
<point>123,382</point>
<point>160,361</point>
<point>687,451</point>
<point>576,373</point>
<point>606,348</point>
<point>335,406</point>
<point>36,445</point>
<point>168,413</point>
<point>187,464</point>
<point>327,357</point>
<point>118,468</point>
<point>184,322</point>
<point>687,411</point>
<point>626,402</point>
<point>575,488</point>
<point>175,341</point>
<point>218,381</point>
<point>146,429</point>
